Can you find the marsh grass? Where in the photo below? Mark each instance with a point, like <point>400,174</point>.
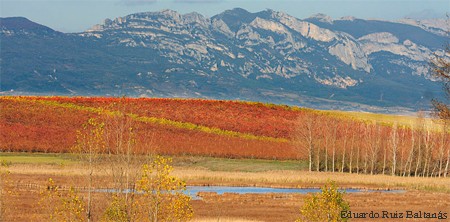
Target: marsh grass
<point>238,165</point>
<point>304,179</point>
<point>236,172</point>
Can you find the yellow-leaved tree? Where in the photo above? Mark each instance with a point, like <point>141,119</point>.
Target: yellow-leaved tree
<point>324,206</point>
<point>90,145</point>
<point>158,197</point>
<point>163,197</point>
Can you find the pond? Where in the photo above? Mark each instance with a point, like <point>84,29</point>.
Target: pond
<point>194,190</point>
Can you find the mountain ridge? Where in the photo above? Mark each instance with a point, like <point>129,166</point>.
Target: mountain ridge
<point>264,56</point>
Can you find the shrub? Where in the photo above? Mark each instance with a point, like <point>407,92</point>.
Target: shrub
<point>60,205</point>
<point>324,206</point>
<point>117,210</point>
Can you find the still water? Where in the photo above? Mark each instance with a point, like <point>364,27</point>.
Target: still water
<point>194,190</point>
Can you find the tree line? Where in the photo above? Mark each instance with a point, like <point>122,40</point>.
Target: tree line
<point>333,144</point>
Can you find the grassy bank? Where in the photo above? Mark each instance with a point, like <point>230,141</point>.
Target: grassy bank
<point>7,158</point>
<point>234,172</point>
<point>192,162</point>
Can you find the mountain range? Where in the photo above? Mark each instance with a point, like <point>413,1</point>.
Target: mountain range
<point>267,56</point>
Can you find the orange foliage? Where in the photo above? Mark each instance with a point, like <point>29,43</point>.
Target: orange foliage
<point>30,126</point>
<point>49,124</point>
<point>254,118</point>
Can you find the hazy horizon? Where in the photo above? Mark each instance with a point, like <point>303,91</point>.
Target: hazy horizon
<point>65,16</point>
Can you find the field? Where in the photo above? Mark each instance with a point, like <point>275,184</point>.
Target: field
<point>230,143</point>
<point>425,194</point>
<point>57,117</point>
<point>369,143</point>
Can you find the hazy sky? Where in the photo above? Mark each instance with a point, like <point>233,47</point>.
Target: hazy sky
<point>78,15</point>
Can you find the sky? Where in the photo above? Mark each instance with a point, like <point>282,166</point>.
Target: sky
<point>79,15</point>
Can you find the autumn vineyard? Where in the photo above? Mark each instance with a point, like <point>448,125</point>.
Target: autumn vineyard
<point>329,141</point>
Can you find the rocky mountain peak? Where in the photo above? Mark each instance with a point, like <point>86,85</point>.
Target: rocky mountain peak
<point>165,53</point>
<point>170,13</point>
<point>234,18</point>
<point>195,17</point>
<point>322,18</point>
<point>234,12</point>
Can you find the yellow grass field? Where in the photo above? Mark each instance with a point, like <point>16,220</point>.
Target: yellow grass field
<point>421,193</point>
<point>389,119</point>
